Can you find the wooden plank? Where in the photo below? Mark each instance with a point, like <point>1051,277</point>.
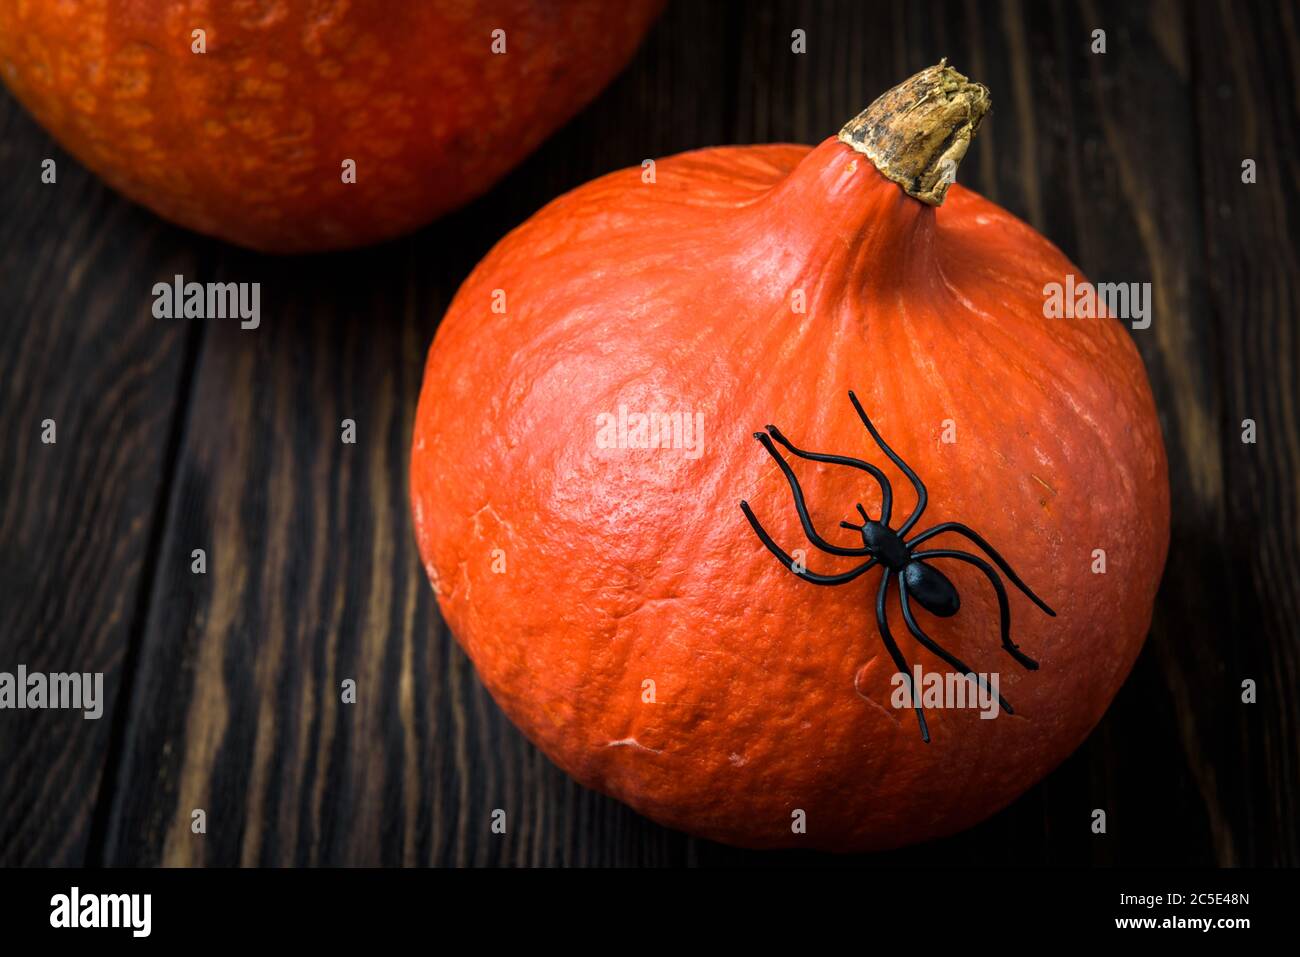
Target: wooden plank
<point>1247,70</point>
<point>78,517</point>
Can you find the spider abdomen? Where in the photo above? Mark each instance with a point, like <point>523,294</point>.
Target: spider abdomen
<point>932,589</point>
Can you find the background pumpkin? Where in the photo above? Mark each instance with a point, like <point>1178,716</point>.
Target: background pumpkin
<point>627,566</point>
<point>246,141</point>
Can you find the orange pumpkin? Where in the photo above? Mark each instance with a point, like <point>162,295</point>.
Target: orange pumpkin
<point>248,140</point>
<point>613,597</point>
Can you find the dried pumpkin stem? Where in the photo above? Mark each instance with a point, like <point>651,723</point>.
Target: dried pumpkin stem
<point>918,132</point>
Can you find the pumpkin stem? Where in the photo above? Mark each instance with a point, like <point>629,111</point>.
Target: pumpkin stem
<point>918,132</point>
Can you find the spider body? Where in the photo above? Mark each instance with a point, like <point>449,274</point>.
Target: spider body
<point>929,586</point>
<point>893,551</point>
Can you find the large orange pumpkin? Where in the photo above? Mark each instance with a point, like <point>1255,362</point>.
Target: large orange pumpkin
<point>614,599</point>
<point>248,140</point>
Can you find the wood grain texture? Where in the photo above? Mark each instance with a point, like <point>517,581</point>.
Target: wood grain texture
<point>176,436</point>
<point>1247,81</point>
<point>78,517</point>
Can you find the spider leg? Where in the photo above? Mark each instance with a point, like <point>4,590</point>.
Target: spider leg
<point>928,642</point>
<point>1003,605</point>
<point>799,504</point>
<point>886,491</point>
<point>882,622</point>
<point>903,467</point>
<point>856,528</point>
<point>1001,562</point>
<point>789,563</point>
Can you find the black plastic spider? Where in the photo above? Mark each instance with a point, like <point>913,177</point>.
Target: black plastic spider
<point>888,547</point>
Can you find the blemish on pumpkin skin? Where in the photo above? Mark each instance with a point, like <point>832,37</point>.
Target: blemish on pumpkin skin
<point>478,523</point>
<point>433,578</point>
<point>863,673</point>
<point>632,743</point>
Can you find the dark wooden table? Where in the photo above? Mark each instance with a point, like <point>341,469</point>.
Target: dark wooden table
<point>223,689</point>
